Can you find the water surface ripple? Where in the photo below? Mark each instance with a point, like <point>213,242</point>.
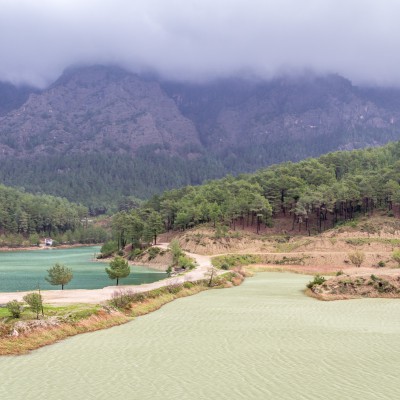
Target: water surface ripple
<point>262,340</point>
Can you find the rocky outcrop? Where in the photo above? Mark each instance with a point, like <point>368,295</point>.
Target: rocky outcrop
<point>350,287</point>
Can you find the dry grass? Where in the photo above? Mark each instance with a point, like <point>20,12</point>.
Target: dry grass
<point>149,305</point>
<point>297,269</point>
<point>45,336</point>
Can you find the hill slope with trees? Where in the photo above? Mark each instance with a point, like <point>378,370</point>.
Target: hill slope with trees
<point>100,133</point>
<point>314,194</point>
<point>26,218</point>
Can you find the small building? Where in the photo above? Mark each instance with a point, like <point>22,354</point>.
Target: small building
<point>48,242</point>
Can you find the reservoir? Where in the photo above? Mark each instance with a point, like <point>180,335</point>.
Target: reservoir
<point>26,270</point>
<point>262,340</point>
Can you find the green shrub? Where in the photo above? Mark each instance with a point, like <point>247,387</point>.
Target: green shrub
<point>174,289</point>
<point>381,264</point>
<point>34,239</point>
<point>338,273</point>
<point>318,280</point>
<point>153,252</point>
<point>15,308</point>
<point>235,260</point>
<point>396,257</point>
<point>108,249</point>
<point>35,302</point>
<point>134,254</point>
<point>157,292</point>
<point>185,262</point>
<point>176,250</point>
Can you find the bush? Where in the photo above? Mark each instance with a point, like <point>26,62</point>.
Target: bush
<point>185,262</point>
<point>174,289</point>
<point>188,285</point>
<point>108,249</point>
<point>35,302</point>
<point>134,254</point>
<point>176,250</point>
<point>123,298</point>
<point>235,260</point>
<point>15,308</point>
<point>357,258</point>
<point>318,280</point>
<point>381,264</point>
<point>153,252</point>
<point>396,257</point>
<point>338,273</point>
<point>34,239</point>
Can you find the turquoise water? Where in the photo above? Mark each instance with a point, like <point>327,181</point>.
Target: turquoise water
<point>262,340</point>
<point>25,270</point>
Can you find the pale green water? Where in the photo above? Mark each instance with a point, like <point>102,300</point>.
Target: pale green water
<point>25,270</point>
<point>262,340</point>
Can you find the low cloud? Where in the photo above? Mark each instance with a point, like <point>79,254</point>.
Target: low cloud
<point>201,39</point>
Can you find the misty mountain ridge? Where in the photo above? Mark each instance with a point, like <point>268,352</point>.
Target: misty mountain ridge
<point>227,125</point>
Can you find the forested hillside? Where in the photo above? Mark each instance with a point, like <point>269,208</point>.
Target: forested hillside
<point>102,180</point>
<point>26,218</point>
<point>99,133</point>
<point>315,194</point>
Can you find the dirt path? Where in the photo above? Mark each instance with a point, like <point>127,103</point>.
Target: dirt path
<point>95,296</point>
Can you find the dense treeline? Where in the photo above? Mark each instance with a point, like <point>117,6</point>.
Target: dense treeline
<point>22,212</point>
<point>314,193</point>
<point>100,181</point>
<point>25,217</point>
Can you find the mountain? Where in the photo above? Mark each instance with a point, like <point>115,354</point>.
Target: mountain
<point>99,133</point>
<point>96,109</point>
<point>288,118</point>
<point>12,97</point>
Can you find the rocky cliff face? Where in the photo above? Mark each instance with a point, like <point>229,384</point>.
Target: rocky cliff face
<point>96,109</point>
<point>320,114</point>
<point>108,109</point>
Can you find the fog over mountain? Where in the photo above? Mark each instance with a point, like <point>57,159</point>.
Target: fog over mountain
<point>201,39</point>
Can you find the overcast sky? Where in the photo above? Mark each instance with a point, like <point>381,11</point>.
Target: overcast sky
<point>201,39</point>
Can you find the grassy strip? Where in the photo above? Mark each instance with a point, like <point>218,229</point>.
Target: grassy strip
<point>45,336</point>
<point>230,261</point>
<point>149,305</point>
<point>368,241</point>
<point>235,260</point>
<point>88,318</point>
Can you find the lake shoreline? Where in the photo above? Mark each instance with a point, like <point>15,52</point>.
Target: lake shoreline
<point>107,317</point>
<point>61,246</point>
